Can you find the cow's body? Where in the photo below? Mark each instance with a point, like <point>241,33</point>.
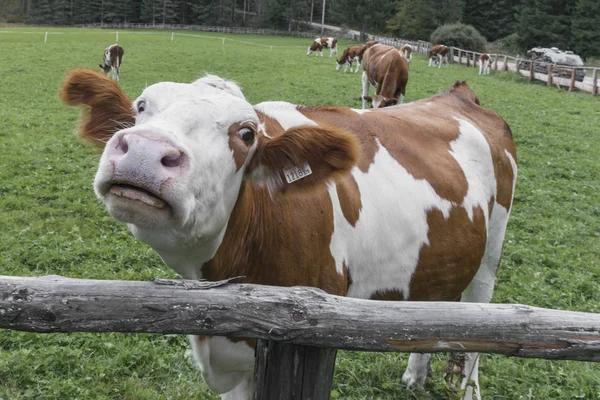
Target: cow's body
<point>113,57</point>
<point>351,54</point>
<point>415,209</point>
<point>386,69</point>
<point>438,55</point>
<point>370,43</point>
<point>406,50</point>
<point>324,42</point>
<point>484,64</point>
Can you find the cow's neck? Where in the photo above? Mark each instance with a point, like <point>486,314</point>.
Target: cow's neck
<point>183,256</point>
<point>250,232</point>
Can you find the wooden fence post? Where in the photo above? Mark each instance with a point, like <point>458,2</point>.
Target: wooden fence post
<point>294,372</point>
<point>496,63</point>
<point>459,56</point>
<point>451,51</point>
<point>505,64</point>
<point>572,84</point>
<point>468,59</point>
<point>595,82</point>
<point>475,59</point>
<point>550,75</point>
<point>531,71</point>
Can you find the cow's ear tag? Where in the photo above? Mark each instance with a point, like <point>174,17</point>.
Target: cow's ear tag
<point>297,172</point>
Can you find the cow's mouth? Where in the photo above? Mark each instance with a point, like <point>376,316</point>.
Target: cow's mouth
<point>136,193</point>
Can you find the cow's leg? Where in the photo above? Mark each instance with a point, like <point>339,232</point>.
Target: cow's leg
<point>439,57</point>
<point>480,67</point>
<point>227,367</point>
<point>417,370</point>
<point>480,290</point>
<point>365,89</point>
<point>357,66</point>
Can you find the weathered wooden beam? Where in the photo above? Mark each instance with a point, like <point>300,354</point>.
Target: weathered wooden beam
<point>296,315</point>
<point>572,82</point>
<point>595,82</point>
<point>294,372</point>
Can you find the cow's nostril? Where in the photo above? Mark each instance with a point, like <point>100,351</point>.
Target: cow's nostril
<point>123,146</point>
<point>172,160</point>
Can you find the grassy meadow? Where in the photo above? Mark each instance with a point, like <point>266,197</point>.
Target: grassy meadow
<point>51,222</point>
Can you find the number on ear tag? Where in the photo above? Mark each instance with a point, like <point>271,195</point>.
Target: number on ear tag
<point>297,172</point>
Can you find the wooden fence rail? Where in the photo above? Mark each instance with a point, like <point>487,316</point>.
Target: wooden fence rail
<point>471,58</point>
<point>301,324</point>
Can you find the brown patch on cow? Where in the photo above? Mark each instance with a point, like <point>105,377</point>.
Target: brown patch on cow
<point>456,243</point>
<point>238,146</point>
<point>370,43</point>
<point>349,196</point>
<point>108,109</point>
<point>268,231</point>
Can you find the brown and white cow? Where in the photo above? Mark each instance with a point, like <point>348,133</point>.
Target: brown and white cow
<point>438,54</point>
<point>113,57</point>
<point>402,203</point>
<point>485,63</point>
<point>325,42</point>
<point>386,69</point>
<point>370,43</point>
<point>406,50</point>
<point>350,54</point>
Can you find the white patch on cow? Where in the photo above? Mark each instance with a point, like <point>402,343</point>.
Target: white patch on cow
<point>474,156</point>
<point>226,366</point>
<point>394,222</point>
<point>359,111</point>
<point>286,114</point>
<point>262,128</point>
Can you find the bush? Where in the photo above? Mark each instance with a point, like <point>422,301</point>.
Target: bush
<point>459,35</point>
<point>507,45</point>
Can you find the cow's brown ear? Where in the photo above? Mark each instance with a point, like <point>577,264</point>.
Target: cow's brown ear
<point>303,157</point>
<point>106,107</point>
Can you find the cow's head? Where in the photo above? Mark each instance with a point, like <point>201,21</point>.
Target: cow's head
<point>339,63</point>
<point>175,158</point>
<point>380,101</point>
<point>104,68</point>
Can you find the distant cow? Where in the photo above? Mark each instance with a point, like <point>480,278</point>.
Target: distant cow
<point>402,203</point>
<point>370,43</point>
<point>438,54</point>
<point>113,57</point>
<point>406,51</point>
<point>387,70</point>
<point>325,42</point>
<point>351,54</point>
<point>484,64</point>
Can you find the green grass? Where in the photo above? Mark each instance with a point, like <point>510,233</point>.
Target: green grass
<point>51,222</point>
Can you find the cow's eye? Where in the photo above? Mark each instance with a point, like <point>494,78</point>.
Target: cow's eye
<point>247,134</point>
<point>141,107</point>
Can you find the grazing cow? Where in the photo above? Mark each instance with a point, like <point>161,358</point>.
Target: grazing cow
<point>387,70</point>
<point>324,42</point>
<point>485,63</point>
<point>370,43</point>
<point>406,51</point>
<point>351,54</point>
<point>113,58</point>
<point>438,54</point>
<point>403,203</point>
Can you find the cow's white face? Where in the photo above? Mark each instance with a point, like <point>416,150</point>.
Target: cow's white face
<point>180,168</point>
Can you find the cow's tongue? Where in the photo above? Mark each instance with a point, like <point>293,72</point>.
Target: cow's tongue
<point>137,194</point>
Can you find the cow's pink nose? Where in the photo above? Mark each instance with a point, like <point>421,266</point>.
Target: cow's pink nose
<point>148,150</point>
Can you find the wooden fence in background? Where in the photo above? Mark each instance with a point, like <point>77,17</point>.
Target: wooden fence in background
<point>298,329</point>
<point>507,63</point>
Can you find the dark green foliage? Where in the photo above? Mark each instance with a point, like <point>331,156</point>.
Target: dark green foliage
<point>545,23</point>
<point>459,35</point>
<point>586,28</point>
<point>414,20</point>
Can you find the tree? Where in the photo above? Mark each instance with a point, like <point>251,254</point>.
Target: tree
<point>545,23</point>
<point>414,20</point>
<point>586,28</point>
